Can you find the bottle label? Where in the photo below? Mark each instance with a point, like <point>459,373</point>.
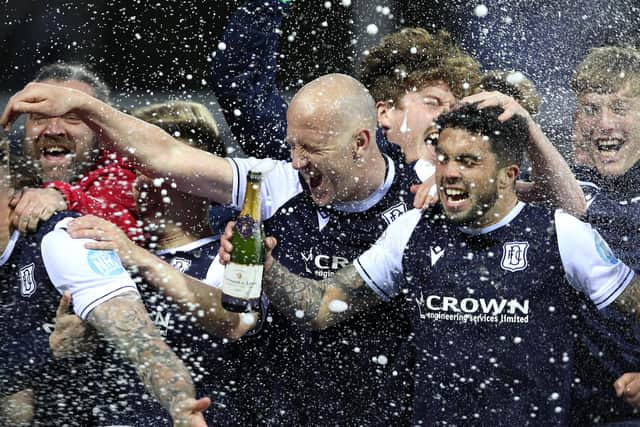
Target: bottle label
<point>242,281</point>
<point>245,226</point>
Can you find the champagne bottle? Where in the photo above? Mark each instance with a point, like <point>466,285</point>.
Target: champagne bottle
<point>242,283</point>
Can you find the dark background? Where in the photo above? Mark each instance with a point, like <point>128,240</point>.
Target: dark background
<point>149,49</point>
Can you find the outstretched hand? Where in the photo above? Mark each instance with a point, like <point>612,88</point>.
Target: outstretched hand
<point>425,194</point>
<point>226,247</point>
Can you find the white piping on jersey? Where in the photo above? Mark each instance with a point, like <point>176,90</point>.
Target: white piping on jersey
<point>10,245</point>
<point>375,197</point>
<point>504,221</point>
<point>189,246</point>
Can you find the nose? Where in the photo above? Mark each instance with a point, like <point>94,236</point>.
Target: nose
<point>607,120</point>
<point>298,161</point>
<point>54,126</point>
<point>451,172</point>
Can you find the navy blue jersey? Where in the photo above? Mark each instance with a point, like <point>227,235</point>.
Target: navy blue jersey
<point>607,348</point>
<point>28,302</point>
<point>210,360</point>
<point>338,376</point>
<point>493,316</point>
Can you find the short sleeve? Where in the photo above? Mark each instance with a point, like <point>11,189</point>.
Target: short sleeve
<point>92,276</point>
<point>280,183</point>
<point>589,264</point>
<point>381,266</point>
<point>215,273</point>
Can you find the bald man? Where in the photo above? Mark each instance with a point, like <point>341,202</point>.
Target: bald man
<point>326,206</point>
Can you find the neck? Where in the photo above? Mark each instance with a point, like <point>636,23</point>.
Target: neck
<point>502,207</point>
<point>369,181</point>
<point>180,227</point>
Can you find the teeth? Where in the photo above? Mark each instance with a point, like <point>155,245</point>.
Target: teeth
<point>609,144</point>
<point>454,192</point>
<point>55,150</point>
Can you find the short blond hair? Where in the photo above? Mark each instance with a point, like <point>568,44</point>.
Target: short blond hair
<point>608,69</point>
<point>412,58</point>
<point>186,120</point>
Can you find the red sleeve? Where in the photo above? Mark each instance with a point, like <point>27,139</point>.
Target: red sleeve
<point>106,192</point>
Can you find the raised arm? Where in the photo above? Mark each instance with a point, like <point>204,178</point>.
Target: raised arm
<point>154,151</point>
<point>553,183</point>
<point>245,79</point>
<point>125,324</point>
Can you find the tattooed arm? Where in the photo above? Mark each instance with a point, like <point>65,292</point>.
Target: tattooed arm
<point>322,303</point>
<point>629,301</point>
<point>125,324</point>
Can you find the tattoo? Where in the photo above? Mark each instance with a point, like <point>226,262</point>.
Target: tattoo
<point>629,301</point>
<point>294,293</point>
<point>124,322</point>
<point>310,300</point>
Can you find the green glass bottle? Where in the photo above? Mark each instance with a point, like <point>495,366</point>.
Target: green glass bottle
<point>242,283</point>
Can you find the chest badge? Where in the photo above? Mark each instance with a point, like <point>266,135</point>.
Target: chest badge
<point>28,284</point>
<point>514,256</point>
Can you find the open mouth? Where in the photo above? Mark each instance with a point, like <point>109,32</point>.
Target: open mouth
<point>609,145</point>
<point>55,152</point>
<point>315,179</point>
<point>456,195</point>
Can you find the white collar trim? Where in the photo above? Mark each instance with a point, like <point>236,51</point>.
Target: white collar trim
<point>188,247</point>
<point>504,221</point>
<point>10,245</point>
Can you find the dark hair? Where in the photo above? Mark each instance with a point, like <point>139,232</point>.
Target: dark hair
<point>75,72</point>
<point>508,139</point>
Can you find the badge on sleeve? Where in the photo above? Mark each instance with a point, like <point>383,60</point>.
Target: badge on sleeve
<point>603,249</point>
<point>514,256</point>
<point>104,263</point>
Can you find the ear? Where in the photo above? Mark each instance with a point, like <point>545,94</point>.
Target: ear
<point>361,143</point>
<point>383,109</point>
<point>507,176</point>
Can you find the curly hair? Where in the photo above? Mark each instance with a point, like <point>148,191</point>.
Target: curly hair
<point>412,58</point>
<point>607,70</point>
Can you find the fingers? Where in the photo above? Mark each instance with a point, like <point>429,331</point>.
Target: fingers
<point>270,243</point>
<point>510,106</point>
<point>88,221</point>
<point>226,247</point>
<point>63,307</point>
<point>202,404</point>
<point>102,246</point>
<point>628,388</point>
<point>426,194</point>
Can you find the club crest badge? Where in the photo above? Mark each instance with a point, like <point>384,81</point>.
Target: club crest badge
<point>394,212</point>
<point>514,256</point>
<point>181,264</point>
<point>28,284</point>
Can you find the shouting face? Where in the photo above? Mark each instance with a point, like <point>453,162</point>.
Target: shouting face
<point>61,148</point>
<point>468,178</point>
<point>607,127</point>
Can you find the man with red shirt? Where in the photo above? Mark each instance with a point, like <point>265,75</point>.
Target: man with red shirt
<point>64,153</point>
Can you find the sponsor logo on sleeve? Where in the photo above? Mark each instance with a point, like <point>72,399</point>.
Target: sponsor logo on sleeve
<point>104,263</point>
<point>603,249</point>
<point>28,285</point>
<point>514,256</point>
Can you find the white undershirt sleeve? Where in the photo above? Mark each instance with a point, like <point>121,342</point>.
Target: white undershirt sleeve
<point>92,276</point>
<point>215,273</point>
<point>381,266</point>
<point>589,264</point>
<point>280,183</point>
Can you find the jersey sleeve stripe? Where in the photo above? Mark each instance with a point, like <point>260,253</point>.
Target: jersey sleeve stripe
<point>375,287</point>
<point>106,297</point>
<point>236,182</point>
<point>608,299</point>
